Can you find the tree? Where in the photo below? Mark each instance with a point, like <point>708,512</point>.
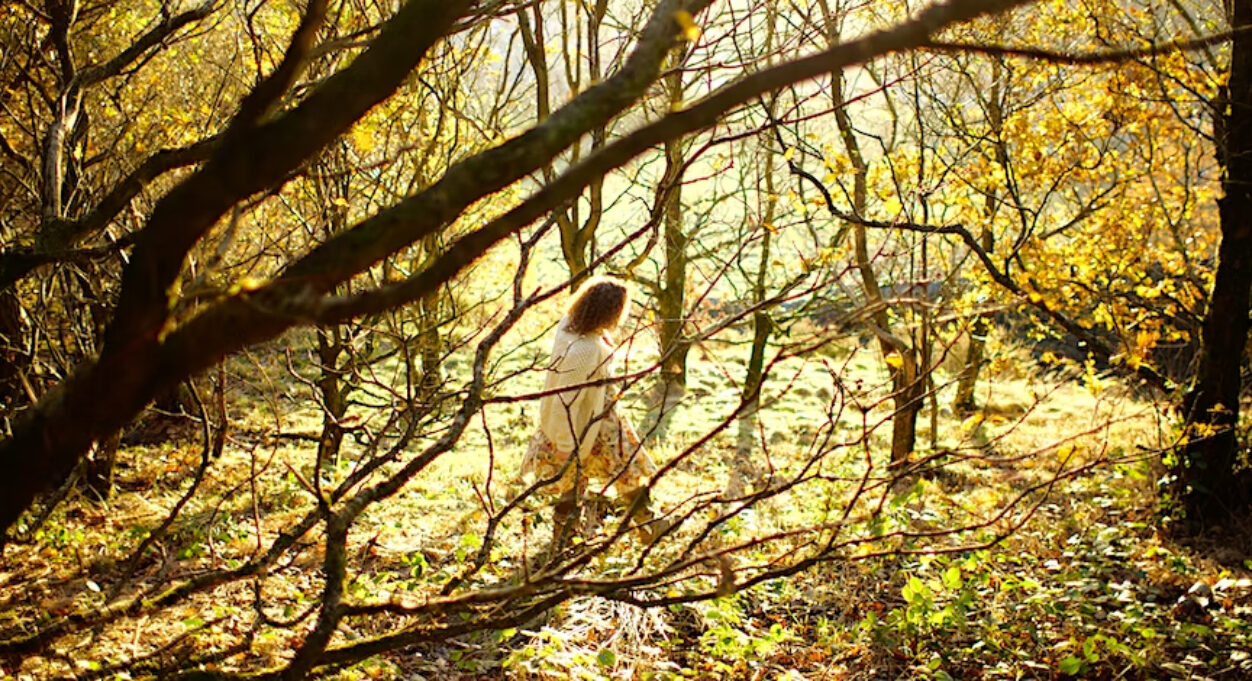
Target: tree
<point>73,168</point>
<point>1215,487</point>
<point>578,235</point>
<point>901,356</point>
<point>128,373</point>
<point>670,288</point>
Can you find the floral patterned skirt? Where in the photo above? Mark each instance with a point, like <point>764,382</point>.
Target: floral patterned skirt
<point>617,458</point>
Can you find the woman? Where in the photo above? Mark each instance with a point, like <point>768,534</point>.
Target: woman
<point>581,425</point>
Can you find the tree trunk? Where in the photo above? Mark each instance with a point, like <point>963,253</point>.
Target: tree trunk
<point>577,236</point>
<point>13,356</point>
<point>1210,486</point>
<point>334,405</point>
<point>907,387</point>
<point>672,302</point>
<point>909,394</point>
<point>671,297</point>
<point>743,468</point>
<point>965,401</point>
<point>430,349</point>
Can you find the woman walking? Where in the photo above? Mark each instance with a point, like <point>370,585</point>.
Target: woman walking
<point>580,436</point>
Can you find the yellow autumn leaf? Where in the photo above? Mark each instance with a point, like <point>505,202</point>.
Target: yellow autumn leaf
<point>690,31</point>
<point>1093,383</point>
<point>362,139</point>
<point>1146,340</point>
<point>246,285</point>
<point>1065,451</point>
<point>969,424</point>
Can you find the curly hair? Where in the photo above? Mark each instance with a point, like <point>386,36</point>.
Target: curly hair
<point>599,305</point>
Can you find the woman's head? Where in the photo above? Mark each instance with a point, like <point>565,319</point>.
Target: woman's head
<point>599,304</point>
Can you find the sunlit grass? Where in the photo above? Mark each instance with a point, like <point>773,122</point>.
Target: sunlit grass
<point>1031,426</point>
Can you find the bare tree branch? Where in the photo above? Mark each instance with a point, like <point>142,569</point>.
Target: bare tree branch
<point>1091,58</point>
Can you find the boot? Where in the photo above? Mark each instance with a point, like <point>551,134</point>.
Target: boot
<point>565,514</point>
<point>637,502</point>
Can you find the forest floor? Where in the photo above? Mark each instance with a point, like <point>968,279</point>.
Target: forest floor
<point>1090,586</point>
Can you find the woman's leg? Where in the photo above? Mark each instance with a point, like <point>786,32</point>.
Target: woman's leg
<point>542,460</point>
<point>620,459</point>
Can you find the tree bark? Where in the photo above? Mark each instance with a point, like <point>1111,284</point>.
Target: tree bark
<point>743,468</point>
<point>672,301</point>
<point>14,359</point>
<point>330,347</point>
<point>1211,486</point>
<point>672,294</point>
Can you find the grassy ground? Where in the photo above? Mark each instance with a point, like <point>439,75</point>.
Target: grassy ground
<point>1086,586</point>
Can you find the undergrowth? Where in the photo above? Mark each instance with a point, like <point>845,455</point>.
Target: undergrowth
<point>1086,588</point>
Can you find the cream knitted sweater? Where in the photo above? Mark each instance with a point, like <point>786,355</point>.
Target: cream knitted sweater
<point>566,418</point>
